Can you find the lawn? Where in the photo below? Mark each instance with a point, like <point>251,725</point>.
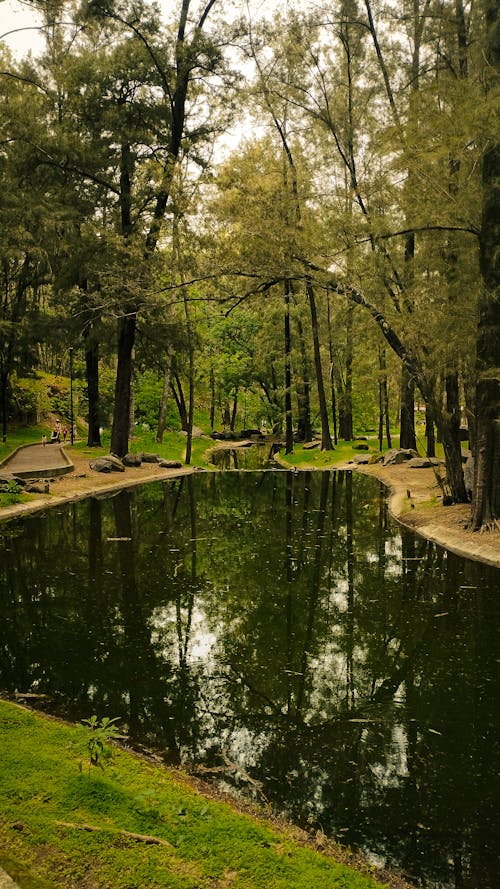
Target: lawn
<point>64,823</point>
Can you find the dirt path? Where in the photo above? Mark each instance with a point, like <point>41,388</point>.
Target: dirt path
<point>424,513</point>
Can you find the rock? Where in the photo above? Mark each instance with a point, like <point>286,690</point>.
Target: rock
<point>246,433</point>
<point>419,463</point>
<point>151,458</point>
<point>170,464</point>
<point>309,445</point>
<point>469,476</point>
<point>37,488</point>
<point>132,460</point>
<point>398,455</point>
<point>110,463</point>
<point>361,447</point>
<point>361,459</point>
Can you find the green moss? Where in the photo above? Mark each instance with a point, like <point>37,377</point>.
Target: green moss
<point>202,843</point>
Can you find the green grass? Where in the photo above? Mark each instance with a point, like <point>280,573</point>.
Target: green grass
<point>205,843</point>
<point>22,436</point>
<point>173,447</point>
<point>341,454</point>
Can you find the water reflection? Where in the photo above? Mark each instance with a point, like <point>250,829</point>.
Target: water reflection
<point>255,456</point>
<point>277,629</point>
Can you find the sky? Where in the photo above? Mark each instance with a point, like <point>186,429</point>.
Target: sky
<point>19,16</point>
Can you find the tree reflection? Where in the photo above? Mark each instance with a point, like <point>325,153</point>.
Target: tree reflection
<point>281,624</point>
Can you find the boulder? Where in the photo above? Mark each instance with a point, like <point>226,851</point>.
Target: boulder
<point>196,433</point>
<point>419,463</point>
<point>151,458</point>
<point>246,433</point>
<point>37,488</point>
<point>361,447</point>
<point>110,463</point>
<point>398,455</point>
<point>361,459</point>
<point>132,460</point>
<point>310,445</point>
<point>170,464</point>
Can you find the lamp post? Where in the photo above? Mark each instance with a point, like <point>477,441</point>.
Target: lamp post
<point>71,419</point>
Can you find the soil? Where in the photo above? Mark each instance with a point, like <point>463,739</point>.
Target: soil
<point>415,500</point>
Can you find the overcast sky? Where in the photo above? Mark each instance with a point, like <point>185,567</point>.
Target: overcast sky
<point>19,16</point>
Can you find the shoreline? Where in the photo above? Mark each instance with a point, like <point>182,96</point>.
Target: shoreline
<point>421,512</point>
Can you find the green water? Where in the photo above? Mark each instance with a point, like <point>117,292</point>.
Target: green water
<point>278,632</point>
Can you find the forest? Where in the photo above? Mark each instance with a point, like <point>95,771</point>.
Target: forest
<point>285,211</point>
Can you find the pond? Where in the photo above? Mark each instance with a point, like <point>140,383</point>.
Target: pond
<point>278,632</point>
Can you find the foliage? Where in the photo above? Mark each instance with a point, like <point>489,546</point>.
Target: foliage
<point>102,731</point>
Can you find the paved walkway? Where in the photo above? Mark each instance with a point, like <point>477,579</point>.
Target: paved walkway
<point>37,461</point>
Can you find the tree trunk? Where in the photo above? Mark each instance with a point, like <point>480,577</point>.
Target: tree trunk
<point>180,401</point>
<point>4,381</point>
<point>346,430</point>
<point>92,376</point>
<point>304,428</point>
<point>326,441</point>
<point>288,373</point>
<point>486,493</point>
<point>121,417</point>
<point>429,430</point>
<point>407,437</point>
<point>451,440</point>
<point>384,417</point>
<point>212,398</point>
<point>331,351</point>
<point>162,415</point>
<point>232,422</point>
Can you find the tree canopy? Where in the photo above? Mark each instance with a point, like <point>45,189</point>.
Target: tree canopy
<point>297,208</point>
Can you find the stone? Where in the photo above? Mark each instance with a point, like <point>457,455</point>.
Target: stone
<point>132,460</point>
<point>398,455</point>
<point>310,445</point>
<point>361,459</point>
<point>419,463</point>
<point>170,464</point>
<point>361,447</point>
<point>110,463</point>
<point>37,488</point>
<point>151,458</point>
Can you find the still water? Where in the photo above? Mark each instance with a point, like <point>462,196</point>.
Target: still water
<point>278,631</point>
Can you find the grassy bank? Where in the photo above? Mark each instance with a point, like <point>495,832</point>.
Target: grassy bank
<point>133,824</point>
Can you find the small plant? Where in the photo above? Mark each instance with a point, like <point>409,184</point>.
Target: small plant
<point>11,487</point>
<point>102,731</point>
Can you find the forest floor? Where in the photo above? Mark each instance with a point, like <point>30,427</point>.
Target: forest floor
<point>422,510</point>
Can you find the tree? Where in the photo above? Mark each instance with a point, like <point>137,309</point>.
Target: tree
<point>486,495</point>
